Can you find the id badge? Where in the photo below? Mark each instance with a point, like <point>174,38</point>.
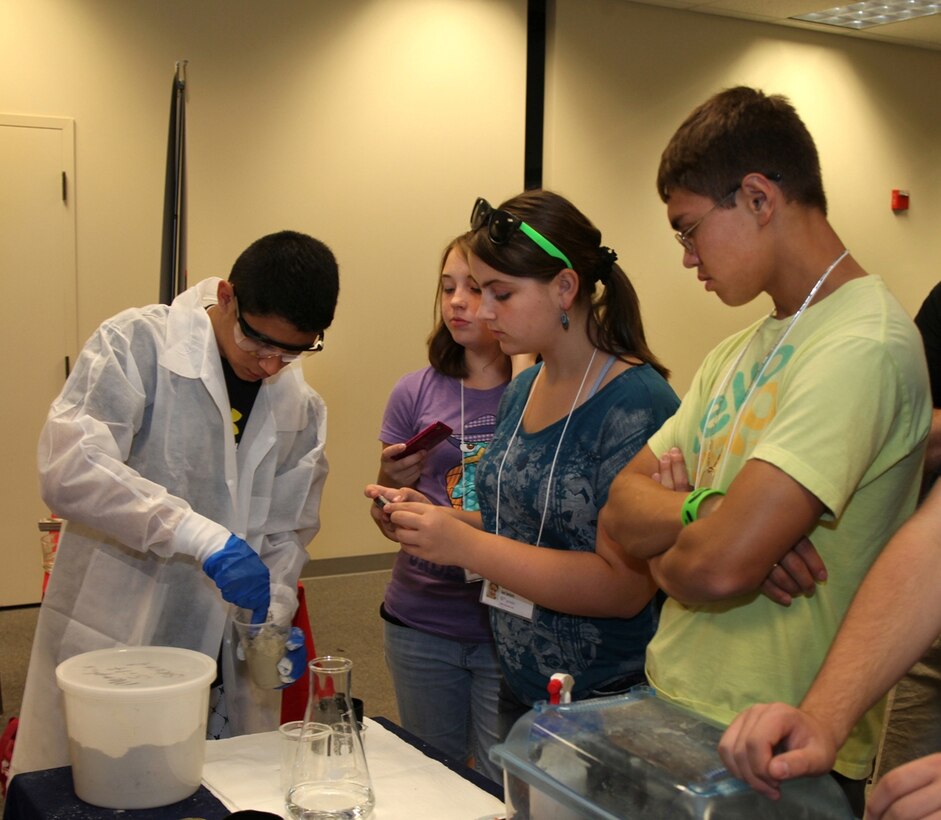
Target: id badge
<point>494,595</point>
<point>472,577</point>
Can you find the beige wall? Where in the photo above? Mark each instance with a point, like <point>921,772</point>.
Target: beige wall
<point>374,123</point>
<point>371,124</point>
<point>623,76</point>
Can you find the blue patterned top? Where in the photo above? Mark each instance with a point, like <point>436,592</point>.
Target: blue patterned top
<point>602,437</point>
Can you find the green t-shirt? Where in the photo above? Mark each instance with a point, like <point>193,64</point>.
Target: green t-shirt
<point>843,408</point>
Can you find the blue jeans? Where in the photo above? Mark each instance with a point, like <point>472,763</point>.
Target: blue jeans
<point>447,693</point>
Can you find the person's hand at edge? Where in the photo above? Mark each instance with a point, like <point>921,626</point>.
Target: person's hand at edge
<point>910,792</point>
<point>769,743</point>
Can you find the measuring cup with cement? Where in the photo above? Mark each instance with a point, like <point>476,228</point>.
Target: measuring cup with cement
<point>262,646</point>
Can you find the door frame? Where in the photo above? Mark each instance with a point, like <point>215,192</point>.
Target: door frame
<point>59,292</point>
<point>70,282</point>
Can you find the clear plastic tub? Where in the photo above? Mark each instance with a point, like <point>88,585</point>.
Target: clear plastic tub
<point>136,720</point>
<point>637,756</point>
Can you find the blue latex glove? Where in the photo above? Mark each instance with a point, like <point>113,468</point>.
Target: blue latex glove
<point>241,576</point>
<point>292,665</point>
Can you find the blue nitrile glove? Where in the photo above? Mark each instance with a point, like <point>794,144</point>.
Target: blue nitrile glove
<point>292,665</point>
<point>241,576</point>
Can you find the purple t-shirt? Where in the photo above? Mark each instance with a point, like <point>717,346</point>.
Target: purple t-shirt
<point>423,595</point>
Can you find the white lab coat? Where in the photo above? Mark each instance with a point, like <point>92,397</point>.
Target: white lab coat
<point>140,435</point>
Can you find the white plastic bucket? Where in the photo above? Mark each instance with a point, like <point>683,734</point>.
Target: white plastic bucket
<point>136,720</point>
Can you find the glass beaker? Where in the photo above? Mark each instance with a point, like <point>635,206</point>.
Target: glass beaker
<point>330,780</point>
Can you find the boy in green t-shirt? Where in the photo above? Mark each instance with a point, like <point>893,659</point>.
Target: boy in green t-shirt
<point>797,451</point>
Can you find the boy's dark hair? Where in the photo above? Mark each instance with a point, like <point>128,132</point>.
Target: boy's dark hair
<point>737,132</point>
<point>445,355</point>
<point>614,322</point>
<point>290,275</point>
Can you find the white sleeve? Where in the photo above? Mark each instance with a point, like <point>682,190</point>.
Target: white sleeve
<point>87,438</point>
<point>293,519</point>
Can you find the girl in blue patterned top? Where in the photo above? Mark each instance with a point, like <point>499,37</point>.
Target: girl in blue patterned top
<point>563,598</point>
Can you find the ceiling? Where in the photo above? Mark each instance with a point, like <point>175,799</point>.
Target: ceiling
<point>922,32</point>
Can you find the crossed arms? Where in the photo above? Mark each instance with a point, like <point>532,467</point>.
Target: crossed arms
<point>752,538</point>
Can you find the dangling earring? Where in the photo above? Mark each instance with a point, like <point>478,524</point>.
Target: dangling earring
<point>564,318</point>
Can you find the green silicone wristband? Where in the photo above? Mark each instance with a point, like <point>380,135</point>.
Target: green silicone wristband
<point>690,510</point>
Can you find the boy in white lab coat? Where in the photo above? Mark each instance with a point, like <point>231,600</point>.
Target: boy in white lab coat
<point>188,460</point>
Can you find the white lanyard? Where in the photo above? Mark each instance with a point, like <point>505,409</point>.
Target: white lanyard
<point>555,457</point>
<point>463,449</point>
<point>491,594</point>
<point>764,363</point>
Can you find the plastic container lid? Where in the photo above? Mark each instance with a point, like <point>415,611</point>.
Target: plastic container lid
<point>139,673</point>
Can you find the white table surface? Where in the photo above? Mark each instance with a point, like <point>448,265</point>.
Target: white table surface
<point>243,773</point>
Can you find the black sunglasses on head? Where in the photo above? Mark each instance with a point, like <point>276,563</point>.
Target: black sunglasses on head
<point>501,225</point>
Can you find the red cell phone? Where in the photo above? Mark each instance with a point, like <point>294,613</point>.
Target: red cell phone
<point>433,434</point>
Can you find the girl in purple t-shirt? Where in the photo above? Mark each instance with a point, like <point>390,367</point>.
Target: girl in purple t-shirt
<point>438,644</point>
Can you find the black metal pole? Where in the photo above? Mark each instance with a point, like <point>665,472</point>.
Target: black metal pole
<point>170,247</point>
<point>535,93</point>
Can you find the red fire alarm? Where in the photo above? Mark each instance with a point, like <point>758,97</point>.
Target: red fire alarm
<point>899,200</point>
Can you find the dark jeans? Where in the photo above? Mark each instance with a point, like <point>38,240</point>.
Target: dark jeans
<point>855,791</point>
<point>509,710</point>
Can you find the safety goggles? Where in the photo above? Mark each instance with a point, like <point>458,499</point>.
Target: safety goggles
<point>501,225</point>
<point>264,347</point>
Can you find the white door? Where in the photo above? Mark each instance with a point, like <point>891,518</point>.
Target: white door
<point>37,325</point>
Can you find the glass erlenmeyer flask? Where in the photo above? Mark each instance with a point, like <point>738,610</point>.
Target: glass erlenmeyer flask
<point>330,779</point>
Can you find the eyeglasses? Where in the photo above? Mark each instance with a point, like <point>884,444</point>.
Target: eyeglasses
<point>501,225</point>
<point>264,347</point>
<point>684,237</point>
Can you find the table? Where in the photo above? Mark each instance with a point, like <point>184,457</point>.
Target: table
<point>410,779</point>
<point>49,795</point>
